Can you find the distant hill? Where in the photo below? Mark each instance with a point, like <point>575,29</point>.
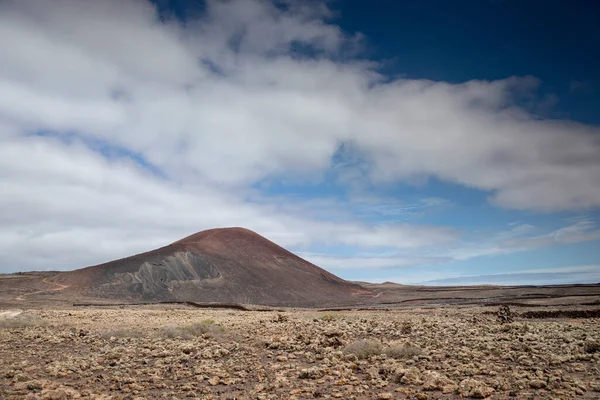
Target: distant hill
<point>217,265</point>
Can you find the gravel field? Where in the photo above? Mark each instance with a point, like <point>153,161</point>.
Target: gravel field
<point>176,353</point>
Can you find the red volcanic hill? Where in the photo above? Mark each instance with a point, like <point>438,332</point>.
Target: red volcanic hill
<point>218,265</point>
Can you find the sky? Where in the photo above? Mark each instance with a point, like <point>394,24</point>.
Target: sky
<point>419,142</point>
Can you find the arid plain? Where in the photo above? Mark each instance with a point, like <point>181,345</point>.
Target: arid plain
<point>51,349</point>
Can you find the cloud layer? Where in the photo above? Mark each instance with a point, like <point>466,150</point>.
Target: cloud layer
<point>121,130</point>
<point>555,276</point>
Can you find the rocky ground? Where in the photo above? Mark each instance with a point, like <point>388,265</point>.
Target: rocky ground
<point>175,352</point>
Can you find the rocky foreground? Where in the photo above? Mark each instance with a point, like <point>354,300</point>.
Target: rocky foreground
<point>176,353</point>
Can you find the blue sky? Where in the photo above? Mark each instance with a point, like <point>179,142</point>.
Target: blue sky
<point>425,142</point>
<point>554,41</point>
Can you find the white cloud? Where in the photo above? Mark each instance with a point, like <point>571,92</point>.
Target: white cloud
<point>565,270</point>
<point>535,276</point>
<point>523,237</point>
<point>372,262</point>
<point>221,103</point>
<point>520,237</point>
<point>70,207</point>
<point>542,276</point>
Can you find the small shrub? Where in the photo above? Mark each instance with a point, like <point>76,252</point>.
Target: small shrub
<point>21,321</point>
<point>206,327</point>
<point>330,317</point>
<point>399,351</point>
<point>504,314</point>
<point>406,328</point>
<point>363,349</point>
<point>280,318</point>
<point>515,328</point>
<point>591,346</point>
<point>122,333</point>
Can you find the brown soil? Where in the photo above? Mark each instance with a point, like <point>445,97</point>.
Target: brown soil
<point>178,352</point>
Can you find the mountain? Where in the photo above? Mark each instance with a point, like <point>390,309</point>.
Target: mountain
<point>216,265</point>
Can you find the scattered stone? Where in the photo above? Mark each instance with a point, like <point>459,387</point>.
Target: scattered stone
<point>592,346</point>
<point>504,314</point>
<point>537,384</point>
<point>281,318</point>
<point>475,389</point>
<point>312,373</point>
<point>436,381</point>
<point>463,355</point>
<point>333,333</point>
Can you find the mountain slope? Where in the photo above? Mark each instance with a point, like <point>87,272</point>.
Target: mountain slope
<point>217,265</point>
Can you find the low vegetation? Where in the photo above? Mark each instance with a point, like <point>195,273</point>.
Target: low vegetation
<point>206,327</point>
<point>330,317</point>
<point>123,332</point>
<point>406,328</point>
<point>403,350</point>
<point>21,321</point>
<point>364,348</point>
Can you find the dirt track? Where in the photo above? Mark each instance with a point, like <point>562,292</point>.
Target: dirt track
<point>9,314</point>
<point>45,281</point>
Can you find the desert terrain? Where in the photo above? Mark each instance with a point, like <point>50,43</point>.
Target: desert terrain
<point>177,352</point>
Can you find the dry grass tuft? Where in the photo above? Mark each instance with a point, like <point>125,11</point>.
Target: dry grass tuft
<point>399,351</point>
<point>406,328</point>
<point>364,348</point>
<point>21,321</point>
<point>122,333</point>
<point>206,327</point>
<point>330,317</point>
